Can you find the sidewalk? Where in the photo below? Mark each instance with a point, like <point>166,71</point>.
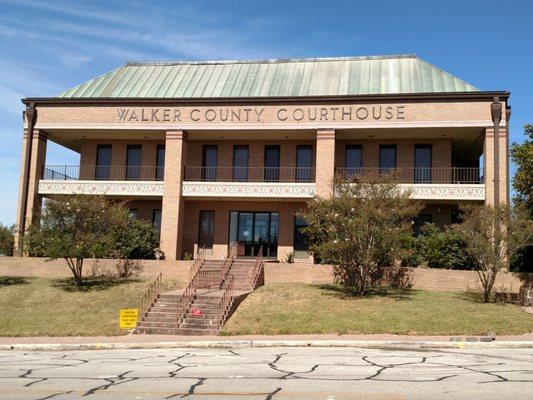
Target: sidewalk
<point>170,341</point>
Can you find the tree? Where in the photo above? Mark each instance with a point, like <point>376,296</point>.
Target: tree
<point>492,236</point>
<point>7,240</point>
<point>77,227</point>
<point>138,241</point>
<point>360,228</point>
<point>522,155</point>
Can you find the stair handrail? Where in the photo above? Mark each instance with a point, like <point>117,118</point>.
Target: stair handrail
<point>258,266</point>
<point>193,271</point>
<point>225,301</point>
<point>190,291</point>
<point>151,294</point>
<point>226,266</point>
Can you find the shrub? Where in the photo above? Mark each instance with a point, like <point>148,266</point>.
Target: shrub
<point>360,229</point>
<point>441,249</point>
<point>7,240</point>
<point>137,242</point>
<point>290,257</point>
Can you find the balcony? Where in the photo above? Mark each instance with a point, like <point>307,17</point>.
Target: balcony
<point>252,182</point>
<point>453,175</point>
<point>455,183</point>
<point>102,180</point>
<point>255,182</point>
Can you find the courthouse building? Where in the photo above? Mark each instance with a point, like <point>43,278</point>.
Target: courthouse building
<point>225,152</point>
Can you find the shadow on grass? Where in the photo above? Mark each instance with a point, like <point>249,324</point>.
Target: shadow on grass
<point>13,280</point>
<point>350,292</point>
<point>91,284</point>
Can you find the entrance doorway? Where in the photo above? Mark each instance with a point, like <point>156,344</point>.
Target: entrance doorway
<point>251,230</point>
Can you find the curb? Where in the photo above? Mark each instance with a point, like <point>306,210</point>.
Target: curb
<point>229,344</point>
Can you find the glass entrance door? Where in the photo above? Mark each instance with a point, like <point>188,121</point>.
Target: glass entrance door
<point>251,230</point>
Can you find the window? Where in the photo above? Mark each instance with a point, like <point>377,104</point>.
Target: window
<point>419,223</point>
<point>206,230</point>
<point>353,160</point>
<point>134,213</point>
<point>271,163</point>
<point>304,163</point>
<point>423,163</point>
<point>300,244</point>
<point>240,163</point>
<point>209,163</point>
<point>103,161</point>
<point>133,162</point>
<point>387,157</point>
<point>160,163</point>
<point>156,222</point>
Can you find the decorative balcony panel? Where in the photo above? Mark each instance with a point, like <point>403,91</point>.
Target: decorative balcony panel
<point>109,188</point>
<point>434,191</point>
<point>301,190</point>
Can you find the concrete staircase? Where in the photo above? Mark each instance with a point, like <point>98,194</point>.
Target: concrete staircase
<point>162,316</point>
<point>203,315</point>
<point>207,322</point>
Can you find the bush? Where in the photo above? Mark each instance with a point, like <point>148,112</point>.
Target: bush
<point>360,229</point>
<point>137,242</point>
<point>7,240</point>
<point>437,248</point>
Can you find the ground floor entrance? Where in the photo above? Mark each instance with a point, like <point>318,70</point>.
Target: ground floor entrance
<point>250,231</point>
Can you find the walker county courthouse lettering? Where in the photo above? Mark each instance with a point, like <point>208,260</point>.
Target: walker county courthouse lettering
<point>225,153</point>
<point>304,114</point>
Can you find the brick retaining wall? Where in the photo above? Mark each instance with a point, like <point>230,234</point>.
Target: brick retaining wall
<point>424,279</point>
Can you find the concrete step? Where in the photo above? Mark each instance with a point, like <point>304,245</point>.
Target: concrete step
<point>195,332</point>
<point>157,331</point>
<point>147,324</point>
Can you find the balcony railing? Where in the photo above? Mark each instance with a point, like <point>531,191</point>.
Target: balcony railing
<point>250,174</point>
<point>95,172</point>
<point>454,175</point>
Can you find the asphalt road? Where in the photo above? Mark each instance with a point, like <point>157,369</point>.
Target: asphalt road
<point>268,373</point>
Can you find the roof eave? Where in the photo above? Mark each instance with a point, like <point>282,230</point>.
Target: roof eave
<point>474,95</point>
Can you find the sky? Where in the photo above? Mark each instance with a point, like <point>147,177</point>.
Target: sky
<point>49,46</point>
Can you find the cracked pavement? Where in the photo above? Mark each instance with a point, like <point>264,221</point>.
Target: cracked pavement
<point>268,373</point>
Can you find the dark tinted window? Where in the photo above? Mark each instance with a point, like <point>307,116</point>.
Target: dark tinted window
<point>160,163</point>
<point>134,213</point>
<point>240,163</point>
<point>206,229</point>
<point>304,163</point>
<point>103,161</point>
<point>387,157</point>
<point>354,159</point>
<point>133,162</point>
<point>156,222</point>
<point>423,163</point>
<point>209,163</point>
<point>271,163</point>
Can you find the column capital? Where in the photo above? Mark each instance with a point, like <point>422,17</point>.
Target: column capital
<point>325,133</point>
<point>177,135</point>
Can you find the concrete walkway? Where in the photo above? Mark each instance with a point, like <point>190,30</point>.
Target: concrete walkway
<point>140,341</point>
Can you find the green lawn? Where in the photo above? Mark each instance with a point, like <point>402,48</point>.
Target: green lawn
<point>50,307</point>
<point>293,308</point>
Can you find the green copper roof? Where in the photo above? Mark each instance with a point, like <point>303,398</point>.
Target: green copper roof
<point>272,78</point>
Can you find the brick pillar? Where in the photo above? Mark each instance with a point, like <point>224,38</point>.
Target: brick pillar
<point>325,162</point>
<point>173,204</point>
<point>32,167</point>
<point>489,166</point>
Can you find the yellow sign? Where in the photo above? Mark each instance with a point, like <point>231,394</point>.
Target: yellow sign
<point>128,318</point>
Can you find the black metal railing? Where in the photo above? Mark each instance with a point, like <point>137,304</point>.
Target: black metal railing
<point>98,172</point>
<point>455,175</point>
<point>250,174</point>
